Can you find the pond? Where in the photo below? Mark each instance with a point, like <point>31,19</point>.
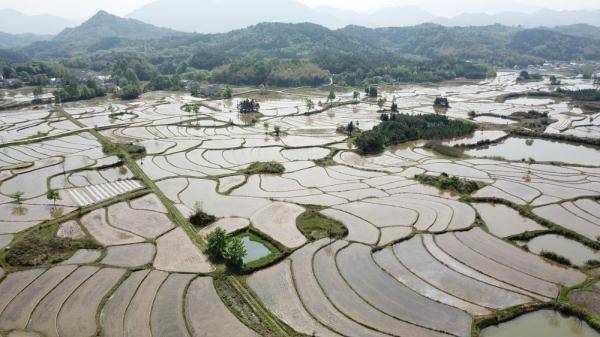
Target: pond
<point>517,148</point>
<point>542,323</point>
<point>494,120</point>
<point>576,252</point>
<point>530,100</point>
<point>254,248</point>
<point>477,136</point>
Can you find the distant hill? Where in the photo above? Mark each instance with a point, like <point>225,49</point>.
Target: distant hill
<point>540,18</point>
<point>218,16</point>
<point>14,22</point>
<point>104,26</point>
<point>20,40</point>
<point>583,30</point>
<point>495,44</point>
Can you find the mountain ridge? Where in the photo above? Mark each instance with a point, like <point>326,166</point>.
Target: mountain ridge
<point>15,22</point>
<point>226,15</point>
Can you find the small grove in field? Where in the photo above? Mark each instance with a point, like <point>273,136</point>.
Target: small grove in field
<point>398,128</point>
<point>317,226</point>
<point>451,183</point>
<point>270,167</point>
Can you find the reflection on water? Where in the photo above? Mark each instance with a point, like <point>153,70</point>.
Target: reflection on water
<point>542,323</point>
<point>516,148</point>
<point>577,253</point>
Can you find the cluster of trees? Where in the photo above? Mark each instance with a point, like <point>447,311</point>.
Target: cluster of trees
<point>371,91</point>
<point>273,72</point>
<point>450,183</point>
<point>525,76</point>
<point>164,82</point>
<point>34,73</point>
<point>582,95</point>
<point>229,250</point>
<point>441,102</point>
<point>399,128</point>
<point>248,106</point>
<point>72,91</point>
<point>420,72</point>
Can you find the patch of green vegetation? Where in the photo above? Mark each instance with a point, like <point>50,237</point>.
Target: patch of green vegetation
<point>248,106</point>
<point>441,102</point>
<point>447,151</point>
<point>270,167</point>
<point>230,250</point>
<point>40,246</point>
<point>525,76</point>
<point>582,95</point>
<point>555,257</point>
<point>130,91</point>
<point>591,264</point>
<point>399,128</point>
<point>200,219</point>
<point>134,150</point>
<point>450,183</point>
<point>316,226</point>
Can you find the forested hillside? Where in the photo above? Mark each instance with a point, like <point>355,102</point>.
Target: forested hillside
<point>306,54</point>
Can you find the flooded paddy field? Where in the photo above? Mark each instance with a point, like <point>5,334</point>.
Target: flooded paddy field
<point>413,260</point>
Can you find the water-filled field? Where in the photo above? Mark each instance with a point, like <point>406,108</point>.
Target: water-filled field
<point>412,259</point>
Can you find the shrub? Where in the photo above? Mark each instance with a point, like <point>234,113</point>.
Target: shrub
<point>201,219</point>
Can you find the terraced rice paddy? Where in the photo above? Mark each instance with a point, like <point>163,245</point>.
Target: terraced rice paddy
<point>416,262</point>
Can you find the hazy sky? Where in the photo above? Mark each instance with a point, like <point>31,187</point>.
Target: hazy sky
<point>85,8</point>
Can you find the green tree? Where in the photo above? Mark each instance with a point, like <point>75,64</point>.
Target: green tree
<point>217,241</point>
<point>234,253</point>
<point>554,80</point>
<point>18,196</point>
<point>266,126</point>
<point>350,128</point>
<point>53,195</point>
<point>277,130</point>
<point>587,71</point>
<point>331,97</point>
<point>227,92</point>
<point>309,104</point>
<point>355,95</point>
<point>371,91</point>
<point>381,102</point>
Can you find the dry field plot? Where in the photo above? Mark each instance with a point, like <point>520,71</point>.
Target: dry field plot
<point>416,261</point>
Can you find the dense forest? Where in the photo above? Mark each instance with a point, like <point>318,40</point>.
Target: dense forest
<point>280,54</point>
